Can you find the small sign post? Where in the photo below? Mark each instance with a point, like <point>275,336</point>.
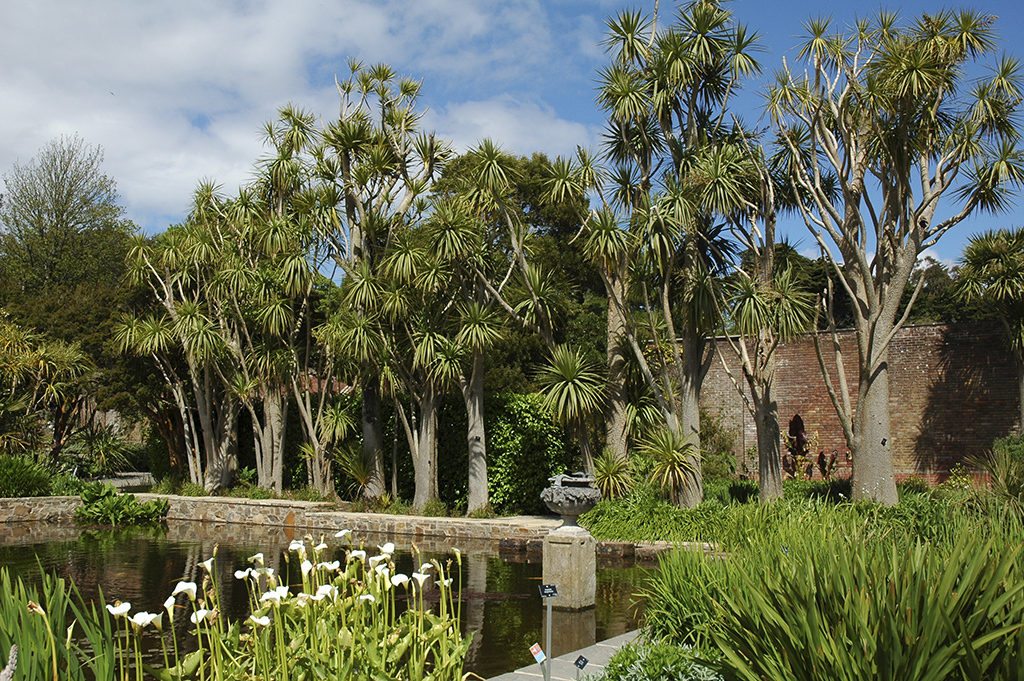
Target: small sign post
<point>547,592</point>
<point>580,663</point>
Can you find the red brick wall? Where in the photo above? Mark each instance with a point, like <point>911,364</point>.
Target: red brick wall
<point>953,389</point>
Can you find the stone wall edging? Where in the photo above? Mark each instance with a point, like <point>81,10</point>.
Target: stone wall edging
<point>315,517</point>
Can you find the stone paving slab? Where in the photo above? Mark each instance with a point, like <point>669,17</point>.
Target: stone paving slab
<point>563,667</point>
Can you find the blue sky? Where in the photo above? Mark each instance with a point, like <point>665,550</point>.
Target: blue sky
<point>176,91</point>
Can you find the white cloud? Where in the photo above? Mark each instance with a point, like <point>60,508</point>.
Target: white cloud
<point>521,127</point>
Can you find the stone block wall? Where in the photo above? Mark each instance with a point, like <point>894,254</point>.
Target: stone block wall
<point>953,390</point>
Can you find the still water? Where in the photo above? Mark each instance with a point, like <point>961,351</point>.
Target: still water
<point>501,602</point>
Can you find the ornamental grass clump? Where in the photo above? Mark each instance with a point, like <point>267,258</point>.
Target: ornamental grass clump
<point>847,598</point>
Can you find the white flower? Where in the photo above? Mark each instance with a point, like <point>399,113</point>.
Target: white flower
<point>382,570</point>
<point>199,615</point>
<point>324,591</point>
<point>367,597</point>
<point>426,567</point>
<point>400,580</point>
<point>169,606</point>
<point>420,578</point>
<point>242,574</point>
<point>185,587</point>
<point>320,547</point>
<point>119,610</point>
<point>208,564</point>
<point>333,565</point>
<point>376,560</point>
<point>282,591</point>
<point>302,600</point>
<point>343,533</point>
<point>262,621</point>
<point>297,545</point>
<point>158,622</point>
<point>306,567</point>
<point>447,582</point>
<point>359,554</point>
<point>142,619</point>
<point>388,548</point>
<point>271,596</point>
<point>256,558</point>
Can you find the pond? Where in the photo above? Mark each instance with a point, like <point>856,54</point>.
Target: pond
<point>501,602</point>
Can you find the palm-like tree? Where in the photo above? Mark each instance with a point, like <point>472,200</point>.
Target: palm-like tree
<point>658,249</point>
<point>992,271</point>
<point>573,391</point>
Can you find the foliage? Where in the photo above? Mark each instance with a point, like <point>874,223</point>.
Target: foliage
<point>345,621</point>
<point>525,448</point>
<point>103,450</point>
<point>641,661</point>
<point>38,621</point>
<point>673,457</point>
<point>102,504</point>
<point>1004,465</point>
<point>23,477</point>
<point>643,516</point>
<point>716,446</point>
<point>612,475</point>
<point>790,610</point>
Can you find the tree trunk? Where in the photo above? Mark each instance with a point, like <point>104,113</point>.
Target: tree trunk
<point>373,435</point>
<point>222,452</point>
<point>473,392</point>
<point>766,421</point>
<point>874,475</point>
<point>270,439</point>
<point>689,412</point>
<point>616,415</point>
<point>424,449</point>
<point>769,445</point>
<point>1020,391</point>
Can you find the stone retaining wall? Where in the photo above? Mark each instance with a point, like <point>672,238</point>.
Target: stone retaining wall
<point>311,516</point>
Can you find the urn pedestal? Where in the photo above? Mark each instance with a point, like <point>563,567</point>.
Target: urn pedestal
<point>570,556</point>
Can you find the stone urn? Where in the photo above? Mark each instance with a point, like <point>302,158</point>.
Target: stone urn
<point>570,496</point>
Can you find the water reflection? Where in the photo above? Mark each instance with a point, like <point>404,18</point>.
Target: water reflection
<point>500,600</point>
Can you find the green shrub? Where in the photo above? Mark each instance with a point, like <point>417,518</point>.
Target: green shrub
<point>192,489</point>
<point>524,448</point>
<point>913,485</point>
<point>612,475</point>
<point>168,485</point>
<point>102,504</point>
<point>644,516</point>
<point>435,508</point>
<point>639,661</point>
<point>22,477</point>
<point>718,462</point>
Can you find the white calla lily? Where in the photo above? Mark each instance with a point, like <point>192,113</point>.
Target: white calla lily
<point>367,597</point>
<point>320,547</point>
<point>208,565</point>
<point>400,580</point>
<point>169,606</point>
<point>358,554</point>
<point>199,615</point>
<point>343,533</point>
<point>242,574</point>
<point>307,567</point>
<point>186,588</point>
<point>262,621</point>
<point>388,548</point>
<point>142,619</point>
<point>420,577</point>
<point>256,558</point>
<point>119,609</point>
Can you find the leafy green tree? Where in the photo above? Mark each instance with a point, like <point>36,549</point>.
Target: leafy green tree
<point>992,272</point>
<point>60,225</point>
<point>884,110</point>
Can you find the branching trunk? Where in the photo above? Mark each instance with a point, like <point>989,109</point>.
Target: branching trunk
<point>373,435</point>
<point>616,414</point>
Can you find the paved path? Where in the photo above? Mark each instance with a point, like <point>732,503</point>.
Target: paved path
<point>562,667</point>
